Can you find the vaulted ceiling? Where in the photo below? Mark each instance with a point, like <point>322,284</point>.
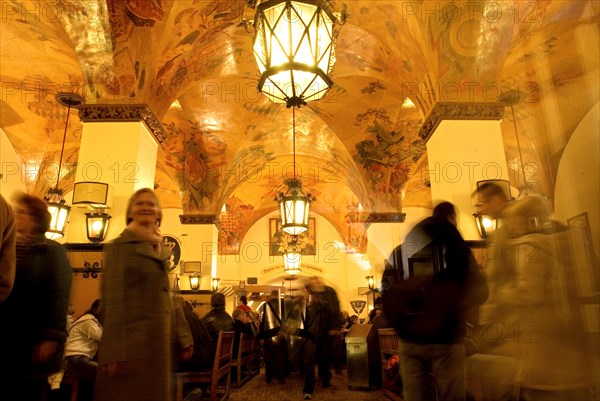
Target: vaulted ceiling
<point>191,61</point>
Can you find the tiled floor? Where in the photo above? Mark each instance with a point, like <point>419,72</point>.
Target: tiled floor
<point>258,390</point>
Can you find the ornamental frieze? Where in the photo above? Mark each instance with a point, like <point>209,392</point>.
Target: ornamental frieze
<point>460,111</point>
<point>121,113</point>
<point>384,218</point>
<point>199,219</point>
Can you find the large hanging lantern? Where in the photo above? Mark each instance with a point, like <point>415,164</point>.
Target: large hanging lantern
<point>59,212</point>
<point>294,207</point>
<point>57,206</point>
<point>294,50</point>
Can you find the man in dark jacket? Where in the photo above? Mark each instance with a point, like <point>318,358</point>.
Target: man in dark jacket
<point>430,312</point>
<point>217,319</point>
<point>323,322</point>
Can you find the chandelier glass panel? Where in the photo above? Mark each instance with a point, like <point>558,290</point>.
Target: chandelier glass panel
<point>294,50</point>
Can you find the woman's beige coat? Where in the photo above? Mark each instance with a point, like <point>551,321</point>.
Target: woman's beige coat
<point>137,323</point>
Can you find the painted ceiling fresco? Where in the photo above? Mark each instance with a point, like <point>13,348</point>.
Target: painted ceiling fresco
<point>226,144</point>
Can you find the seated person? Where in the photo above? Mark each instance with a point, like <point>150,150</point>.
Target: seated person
<point>80,350</point>
<point>242,324</point>
<point>217,319</point>
<point>204,345</point>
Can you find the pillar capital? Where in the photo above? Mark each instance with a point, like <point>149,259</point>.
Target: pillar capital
<point>190,218</point>
<point>384,218</point>
<point>123,113</point>
<point>460,111</point>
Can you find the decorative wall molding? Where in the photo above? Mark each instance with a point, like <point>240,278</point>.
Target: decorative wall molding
<point>385,218</point>
<point>200,219</point>
<point>460,111</point>
<point>121,113</point>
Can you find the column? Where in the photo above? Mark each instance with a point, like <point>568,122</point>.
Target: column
<point>119,147</point>
<point>464,145</point>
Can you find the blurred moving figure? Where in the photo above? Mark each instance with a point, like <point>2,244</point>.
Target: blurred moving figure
<point>274,345</point>
<point>532,308</point>
<point>8,237</point>
<point>135,356</point>
<point>33,316</point>
<point>430,312</point>
<point>323,323</point>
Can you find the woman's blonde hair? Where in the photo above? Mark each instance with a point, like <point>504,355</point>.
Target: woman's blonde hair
<point>135,195</point>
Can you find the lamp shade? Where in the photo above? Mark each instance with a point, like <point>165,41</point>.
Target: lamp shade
<point>59,212</point>
<point>214,283</point>
<point>294,50</point>
<point>192,266</point>
<point>97,225</point>
<point>95,194</point>
<point>294,207</point>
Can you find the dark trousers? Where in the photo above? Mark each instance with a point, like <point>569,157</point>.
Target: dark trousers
<point>317,352</point>
<point>275,356</point>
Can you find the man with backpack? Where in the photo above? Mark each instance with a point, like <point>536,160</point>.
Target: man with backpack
<point>430,311</point>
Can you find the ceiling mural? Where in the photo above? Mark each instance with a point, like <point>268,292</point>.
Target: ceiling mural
<point>191,62</point>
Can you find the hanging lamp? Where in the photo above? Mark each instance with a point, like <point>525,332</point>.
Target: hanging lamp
<point>294,204</point>
<point>292,256</point>
<point>57,206</point>
<point>294,50</point>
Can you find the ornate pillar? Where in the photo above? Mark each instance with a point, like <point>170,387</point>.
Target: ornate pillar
<point>204,228</point>
<point>119,147</point>
<point>464,145</point>
<point>384,233</point>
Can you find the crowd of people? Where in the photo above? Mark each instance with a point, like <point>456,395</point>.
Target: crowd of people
<point>130,342</point>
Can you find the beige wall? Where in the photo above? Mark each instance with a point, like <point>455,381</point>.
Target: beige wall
<point>577,182</point>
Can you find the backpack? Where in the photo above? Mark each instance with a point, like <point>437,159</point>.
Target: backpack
<point>424,309</point>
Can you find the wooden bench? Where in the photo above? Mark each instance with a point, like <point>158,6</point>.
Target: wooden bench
<point>220,372</point>
<point>244,363</point>
<point>388,346</point>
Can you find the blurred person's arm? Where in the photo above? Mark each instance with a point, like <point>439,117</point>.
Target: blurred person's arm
<point>8,237</point>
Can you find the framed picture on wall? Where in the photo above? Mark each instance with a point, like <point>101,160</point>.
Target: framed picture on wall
<point>581,221</point>
<point>278,239</point>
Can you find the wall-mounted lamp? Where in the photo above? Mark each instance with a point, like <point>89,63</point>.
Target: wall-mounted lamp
<point>370,282</point>
<point>193,269</point>
<point>485,224</point>
<point>214,284</point>
<point>97,196</point>
<point>97,225</point>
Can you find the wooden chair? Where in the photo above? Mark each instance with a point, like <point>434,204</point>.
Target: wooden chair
<point>73,381</point>
<point>244,361</point>
<point>388,345</point>
<point>221,370</point>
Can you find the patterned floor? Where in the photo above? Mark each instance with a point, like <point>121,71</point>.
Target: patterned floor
<point>258,390</point>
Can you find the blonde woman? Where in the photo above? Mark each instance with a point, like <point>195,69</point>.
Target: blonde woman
<point>135,360</point>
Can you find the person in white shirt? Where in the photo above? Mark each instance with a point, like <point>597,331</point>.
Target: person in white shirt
<point>82,345</point>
